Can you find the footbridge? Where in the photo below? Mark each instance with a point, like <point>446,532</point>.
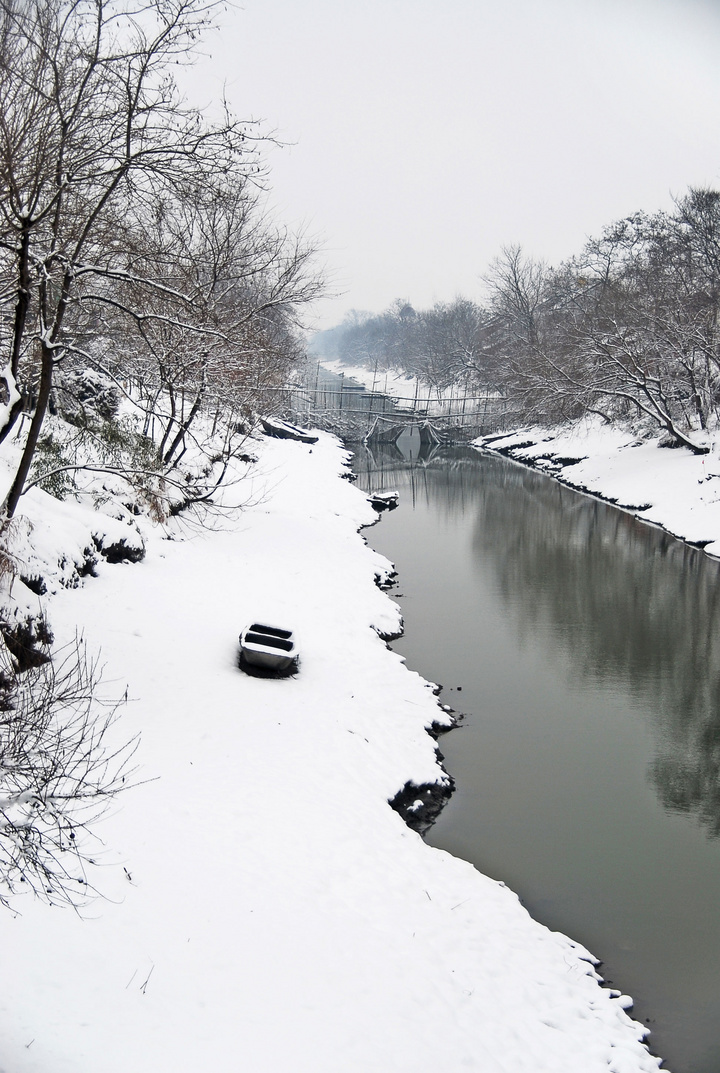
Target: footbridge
<point>359,414</point>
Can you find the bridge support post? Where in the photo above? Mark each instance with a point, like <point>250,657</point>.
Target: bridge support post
<point>428,435</point>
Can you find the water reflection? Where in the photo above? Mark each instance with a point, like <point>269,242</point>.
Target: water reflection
<point>377,460</point>
<point>443,477</point>
<point>629,604</point>
<point>626,603</point>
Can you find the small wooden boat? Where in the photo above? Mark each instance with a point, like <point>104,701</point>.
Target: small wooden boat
<point>384,500</point>
<point>268,647</point>
<point>283,430</point>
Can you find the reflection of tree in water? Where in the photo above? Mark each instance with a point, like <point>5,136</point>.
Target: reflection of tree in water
<point>625,601</point>
<point>628,603</point>
<point>449,479</point>
<point>690,782</point>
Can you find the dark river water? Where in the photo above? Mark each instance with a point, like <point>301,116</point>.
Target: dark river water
<point>584,648</point>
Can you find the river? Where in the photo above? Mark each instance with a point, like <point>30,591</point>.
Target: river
<point>584,648</point>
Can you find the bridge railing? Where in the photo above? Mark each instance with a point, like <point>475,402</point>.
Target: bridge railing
<point>335,402</point>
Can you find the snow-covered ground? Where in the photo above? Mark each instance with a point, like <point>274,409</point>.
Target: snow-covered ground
<point>669,487</point>
<point>264,909</point>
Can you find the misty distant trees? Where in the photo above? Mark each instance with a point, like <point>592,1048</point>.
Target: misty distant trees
<point>628,329</point>
<point>441,346</point>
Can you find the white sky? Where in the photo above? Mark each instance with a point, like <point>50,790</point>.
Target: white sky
<point>428,133</point>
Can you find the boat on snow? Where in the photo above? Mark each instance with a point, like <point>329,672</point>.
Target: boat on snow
<point>268,647</point>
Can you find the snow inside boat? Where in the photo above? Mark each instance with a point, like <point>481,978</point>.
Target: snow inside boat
<point>269,647</point>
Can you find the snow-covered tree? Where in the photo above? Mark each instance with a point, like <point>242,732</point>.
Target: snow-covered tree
<point>121,205</point>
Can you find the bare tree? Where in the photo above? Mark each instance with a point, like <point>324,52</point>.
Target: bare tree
<point>93,138</point>
<point>641,330</point>
<point>517,285</point>
<point>626,330</point>
<point>60,766</point>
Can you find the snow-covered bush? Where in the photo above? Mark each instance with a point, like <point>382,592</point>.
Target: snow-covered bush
<point>83,395</point>
<point>59,767</point>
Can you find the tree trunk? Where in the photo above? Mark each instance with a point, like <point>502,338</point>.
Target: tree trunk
<point>19,321</point>
<point>46,377</point>
<point>167,457</point>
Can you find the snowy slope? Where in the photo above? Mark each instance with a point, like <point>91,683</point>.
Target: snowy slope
<point>265,910</point>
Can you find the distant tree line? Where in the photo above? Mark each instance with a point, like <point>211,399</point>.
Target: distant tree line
<point>627,330</point>
<point>441,346</point>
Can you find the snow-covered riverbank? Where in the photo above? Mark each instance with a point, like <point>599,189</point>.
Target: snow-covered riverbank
<point>669,487</point>
<point>266,910</point>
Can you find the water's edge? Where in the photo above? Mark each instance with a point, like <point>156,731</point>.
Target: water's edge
<point>513,454</point>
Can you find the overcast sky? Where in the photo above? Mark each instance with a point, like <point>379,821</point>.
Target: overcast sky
<point>426,134</point>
